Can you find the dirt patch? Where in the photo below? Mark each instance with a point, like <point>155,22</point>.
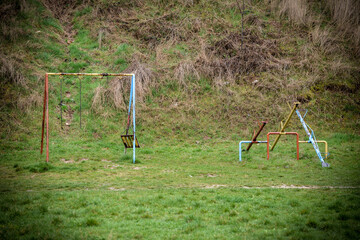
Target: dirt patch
<point>214,186</point>
<point>138,168</point>
<point>310,187</point>
<point>97,136</point>
<point>67,112</point>
<point>72,161</point>
<point>67,161</point>
<point>284,186</point>
<point>211,175</point>
<point>114,166</point>
<point>116,189</point>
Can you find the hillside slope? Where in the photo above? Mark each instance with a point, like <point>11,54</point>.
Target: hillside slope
<point>198,70</point>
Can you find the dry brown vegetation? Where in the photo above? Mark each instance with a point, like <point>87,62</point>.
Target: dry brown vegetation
<point>227,59</point>
<point>158,29</point>
<point>230,58</point>
<point>116,93</point>
<point>10,72</point>
<point>345,14</point>
<point>296,10</point>
<point>9,10</point>
<point>183,43</point>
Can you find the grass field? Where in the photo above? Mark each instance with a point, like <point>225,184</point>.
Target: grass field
<point>178,190</point>
<point>202,82</point>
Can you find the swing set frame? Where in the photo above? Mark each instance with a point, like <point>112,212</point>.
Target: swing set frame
<point>129,144</point>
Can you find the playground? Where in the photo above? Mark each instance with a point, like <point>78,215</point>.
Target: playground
<point>179,189</point>
<point>195,186</point>
<point>179,119</point>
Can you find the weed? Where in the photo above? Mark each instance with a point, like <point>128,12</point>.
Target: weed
<point>123,50</point>
<point>122,64</point>
<point>91,222</point>
<point>126,158</point>
<point>51,22</point>
<point>43,209</point>
<point>56,221</point>
<point>294,203</point>
<point>83,38</point>
<point>343,216</point>
<point>40,167</point>
<point>296,10</point>
<point>75,52</point>
<point>84,11</point>
<point>311,224</point>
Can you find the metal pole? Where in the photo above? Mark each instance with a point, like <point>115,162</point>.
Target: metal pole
<point>80,102</point>
<point>43,120</point>
<point>296,104</point>
<point>297,146</point>
<point>130,101</point>
<point>312,140</point>
<point>256,135</point>
<point>134,127</point>
<point>61,100</point>
<point>47,117</point>
<point>129,111</point>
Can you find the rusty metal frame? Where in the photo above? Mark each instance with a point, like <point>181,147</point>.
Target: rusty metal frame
<point>46,104</point>
<point>282,133</point>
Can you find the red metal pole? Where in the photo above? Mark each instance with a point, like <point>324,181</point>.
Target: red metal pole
<point>47,117</point>
<point>297,143</point>
<point>282,133</point>
<point>256,135</point>
<point>43,120</point>
<point>267,145</point>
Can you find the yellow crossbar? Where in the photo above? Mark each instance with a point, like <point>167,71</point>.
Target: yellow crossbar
<point>320,141</point>
<point>91,74</point>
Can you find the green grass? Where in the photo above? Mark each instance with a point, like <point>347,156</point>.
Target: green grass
<point>181,214</point>
<point>187,182</point>
<point>123,49</point>
<point>84,40</point>
<point>179,189</point>
<point>83,11</point>
<point>122,63</point>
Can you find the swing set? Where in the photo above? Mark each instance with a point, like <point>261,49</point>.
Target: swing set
<point>129,140</point>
